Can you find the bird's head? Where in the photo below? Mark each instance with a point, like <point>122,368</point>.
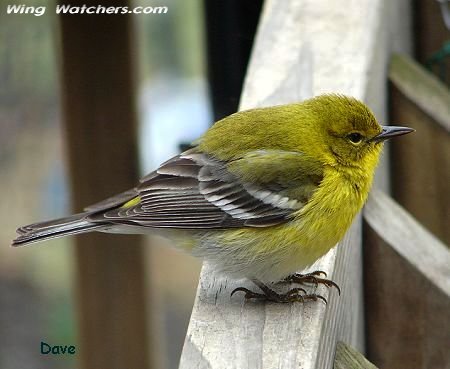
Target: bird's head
<point>348,131</point>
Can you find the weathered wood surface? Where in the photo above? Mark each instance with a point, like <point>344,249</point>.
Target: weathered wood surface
<point>407,289</point>
<point>419,180</point>
<point>410,239</point>
<point>422,88</point>
<point>348,358</point>
<point>303,48</point>
<point>403,303</point>
<point>99,118</point>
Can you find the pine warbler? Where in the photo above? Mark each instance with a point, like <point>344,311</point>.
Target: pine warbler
<point>264,192</point>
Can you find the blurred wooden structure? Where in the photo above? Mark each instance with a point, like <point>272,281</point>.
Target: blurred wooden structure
<point>303,49</point>
<point>419,176</point>
<point>99,114</point>
<point>407,290</point>
<point>409,284</point>
<point>414,308</point>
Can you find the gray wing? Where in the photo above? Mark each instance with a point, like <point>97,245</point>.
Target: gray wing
<point>195,191</point>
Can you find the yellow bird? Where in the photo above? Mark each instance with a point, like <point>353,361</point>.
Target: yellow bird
<point>264,192</point>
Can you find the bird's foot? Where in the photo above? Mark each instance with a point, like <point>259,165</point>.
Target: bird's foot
<point>314,278</point>
<point>293,295</point>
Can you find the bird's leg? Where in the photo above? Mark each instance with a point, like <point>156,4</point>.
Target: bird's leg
<point>314,278</point>
<point>293,295</point>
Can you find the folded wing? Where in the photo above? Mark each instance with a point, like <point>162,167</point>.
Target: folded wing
<point>196,191</point>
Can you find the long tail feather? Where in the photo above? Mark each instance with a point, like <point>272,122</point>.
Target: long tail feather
<point>55,228</point>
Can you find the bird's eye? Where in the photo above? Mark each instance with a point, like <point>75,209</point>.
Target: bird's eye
<point>355,137</point>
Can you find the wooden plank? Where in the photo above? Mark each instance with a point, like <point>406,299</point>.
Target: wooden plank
<point>302,49</point>
<point>402,299</point>
<point>422,88</point>
<point>410,239</point>
<point>419,182</point>
<point>99,117</point>
<point>348,358</point>
<point>407,283</point>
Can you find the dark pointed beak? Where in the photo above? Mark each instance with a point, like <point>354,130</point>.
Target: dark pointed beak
<point>391,131</point>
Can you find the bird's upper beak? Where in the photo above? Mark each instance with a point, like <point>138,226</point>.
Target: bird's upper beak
<point>391,131</point>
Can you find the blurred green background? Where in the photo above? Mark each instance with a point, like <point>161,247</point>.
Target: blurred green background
<point>36,284</point>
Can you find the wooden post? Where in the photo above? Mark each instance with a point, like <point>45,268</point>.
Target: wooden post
<point>100,124</point>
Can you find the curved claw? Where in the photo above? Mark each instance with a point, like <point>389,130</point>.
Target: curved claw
<point>293,295</point>
<point>318,273</point>
<point>295,292</point>
<point>249,294</point>
<point>330,283</point>
<point>242,289</point>
<point>320,297</point>
<point>313,278</point>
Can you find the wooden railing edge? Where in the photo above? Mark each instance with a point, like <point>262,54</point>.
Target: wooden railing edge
<point>349,358</point>
<point>421,87</point>
<point>409,238</point>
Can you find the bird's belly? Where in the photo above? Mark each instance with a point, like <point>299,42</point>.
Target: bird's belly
<point>266,254</point>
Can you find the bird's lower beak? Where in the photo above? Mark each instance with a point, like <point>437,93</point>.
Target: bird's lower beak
<point>391,131</point>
